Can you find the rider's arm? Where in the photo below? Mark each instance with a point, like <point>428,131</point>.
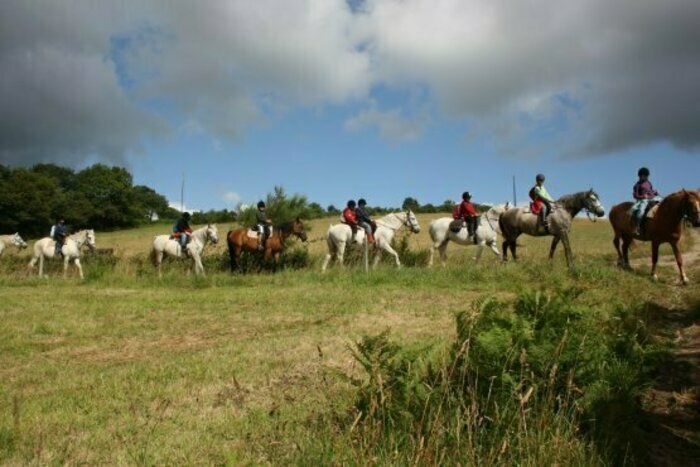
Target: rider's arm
<point>541,192</point>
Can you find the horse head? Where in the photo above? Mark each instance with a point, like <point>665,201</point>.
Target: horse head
<point>18,241</point>
<point>90,239</point>
<point>298,229</point>
<point>691,207</point>
<point>412,222</point>
<point>212,233</point>
<point>592,204</point>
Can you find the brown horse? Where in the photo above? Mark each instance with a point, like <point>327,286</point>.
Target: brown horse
<point>664,227</point>
<point>238,241</point>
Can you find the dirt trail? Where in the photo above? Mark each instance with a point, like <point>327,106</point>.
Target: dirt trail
<point>690,256</point>
<point>671,408</point>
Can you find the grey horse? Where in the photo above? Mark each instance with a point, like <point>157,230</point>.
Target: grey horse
<point>520,220</point>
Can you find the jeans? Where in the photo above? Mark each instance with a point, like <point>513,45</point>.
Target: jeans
<point>366,226</point>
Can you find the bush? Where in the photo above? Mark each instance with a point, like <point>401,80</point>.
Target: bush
<point>514,387</point>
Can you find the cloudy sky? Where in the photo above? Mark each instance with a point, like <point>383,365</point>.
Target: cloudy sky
<point>338,99</point>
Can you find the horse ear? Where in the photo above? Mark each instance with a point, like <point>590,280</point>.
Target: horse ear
<point>685,192</point>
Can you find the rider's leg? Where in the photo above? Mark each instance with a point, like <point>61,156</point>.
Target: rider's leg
<point>472,224</point>
<point>368,231</point>
<point>183,242</point>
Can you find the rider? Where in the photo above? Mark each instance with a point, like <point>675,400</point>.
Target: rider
<point>643,192</point>
<point>262,224</point>
<point>468,214</point>
<point>350,218</point>
<point>182,230</point>
<point>58,233</point>
<point>540,196</point>
<point>364,220</point>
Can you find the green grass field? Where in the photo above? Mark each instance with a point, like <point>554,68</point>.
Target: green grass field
<point>125,368</point>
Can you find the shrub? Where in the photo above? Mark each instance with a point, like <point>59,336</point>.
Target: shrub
<point>518,385</point>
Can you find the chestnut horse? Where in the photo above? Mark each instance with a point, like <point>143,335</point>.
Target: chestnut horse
<point>238,241</point>
<point>664,227</point>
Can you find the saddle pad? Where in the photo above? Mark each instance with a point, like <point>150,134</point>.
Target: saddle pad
<point>252,233</point>
<point>652,212</point>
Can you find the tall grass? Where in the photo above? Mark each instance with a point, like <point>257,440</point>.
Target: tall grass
<point>541,380</point>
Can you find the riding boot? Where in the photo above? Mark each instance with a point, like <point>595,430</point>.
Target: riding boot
<point>261,242</point>
<point>543,220</point>
<point>638,226</point>
<point>472,222</point>
<point>370,237</point>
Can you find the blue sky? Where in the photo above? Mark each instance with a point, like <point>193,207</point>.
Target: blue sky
<point>339,100</point>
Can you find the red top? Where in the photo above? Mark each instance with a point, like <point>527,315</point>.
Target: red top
<point>465,210</point>
<point>349,216</point>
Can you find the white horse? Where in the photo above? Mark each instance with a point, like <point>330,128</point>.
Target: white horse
<point>46,248</point>
<point>486,234</point>
<point>7,240</point>
<point>340,235</point>
<point>164,245</point>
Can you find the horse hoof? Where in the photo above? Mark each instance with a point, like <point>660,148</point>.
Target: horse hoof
<point>685,281</point>
<point>655,278</point>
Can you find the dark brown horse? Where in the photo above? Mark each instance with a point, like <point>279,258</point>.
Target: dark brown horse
<point>664,227</point>
<point>238,241</point>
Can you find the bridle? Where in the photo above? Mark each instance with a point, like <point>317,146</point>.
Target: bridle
<point>409,222</point>
<point>687,210</point>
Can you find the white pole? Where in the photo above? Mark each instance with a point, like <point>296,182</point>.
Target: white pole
<point>366,255</point>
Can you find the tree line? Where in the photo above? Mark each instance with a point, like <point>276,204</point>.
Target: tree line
<point>99,197</point>
<point>105,198</point>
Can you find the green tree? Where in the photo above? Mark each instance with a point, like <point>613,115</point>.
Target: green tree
<point>109,190</point>
<point>28,201</point>
<point>410,203</point>
<point>150,203</point>
<point>280,208</point>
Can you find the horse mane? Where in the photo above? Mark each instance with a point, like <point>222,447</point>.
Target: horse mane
<point>671,197</point>
<point>285,227</point>
<point>567,200</point>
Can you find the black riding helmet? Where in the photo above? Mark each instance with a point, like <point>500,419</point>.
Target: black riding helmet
<point>186,216</point>
<point>351,203</point>
<point>466,195</point>
<point>362,202</point>
<point>261,204</point>
<point>643,172</point>
<point>539,178</point>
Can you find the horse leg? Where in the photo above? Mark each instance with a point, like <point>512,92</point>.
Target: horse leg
<point>277,261</point>
<point>654,259</point>
<point>76,261</point>
<point>504,246</point>
<point>443,252</point>
<point>552,249</point>
<point>432,253</point>
<point>679,262</point>
<point>392,252</point>
<point>494,248</point>
<point>66,260</point>
<point>340,254</point>
<point>479,251</point>
<point>626,243</point>
<point>616,243</point>
<point>41,265</point>
<point>567,250</point>
<point>513,245</point>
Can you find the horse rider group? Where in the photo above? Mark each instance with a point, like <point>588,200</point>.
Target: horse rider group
<point>356,215</point>
<point>58,234</point>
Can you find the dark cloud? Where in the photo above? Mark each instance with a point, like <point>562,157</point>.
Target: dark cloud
<point>79,79</point>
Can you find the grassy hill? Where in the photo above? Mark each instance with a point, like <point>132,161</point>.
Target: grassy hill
<point>124,368</point>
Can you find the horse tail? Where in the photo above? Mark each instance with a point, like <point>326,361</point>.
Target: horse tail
<point>153,256</point>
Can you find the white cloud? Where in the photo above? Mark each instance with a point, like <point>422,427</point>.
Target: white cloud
<point>393,127</point>
<point>79,79</point>
<point>231,198</point>
<point>182,207</point>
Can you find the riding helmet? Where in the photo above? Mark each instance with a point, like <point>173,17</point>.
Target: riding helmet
<point>261,204</point>
<point>539,177</point>
<point>351,203</point>
<point>362,202</point>
<point>186,215</point>
<point>466,195</point>
<point>643,172</point>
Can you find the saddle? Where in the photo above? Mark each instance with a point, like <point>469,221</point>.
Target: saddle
<point>457,225</point>
<point>254,233</point>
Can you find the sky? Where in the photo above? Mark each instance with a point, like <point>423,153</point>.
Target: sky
<point>342,99</point>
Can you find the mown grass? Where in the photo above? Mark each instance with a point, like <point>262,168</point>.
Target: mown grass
<point>126,368</point>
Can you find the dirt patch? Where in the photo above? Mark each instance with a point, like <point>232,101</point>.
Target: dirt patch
<point>690,257</point>
<point>672,406</point>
